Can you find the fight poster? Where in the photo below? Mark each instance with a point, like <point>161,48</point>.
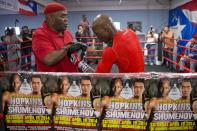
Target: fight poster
<point>98,102</point>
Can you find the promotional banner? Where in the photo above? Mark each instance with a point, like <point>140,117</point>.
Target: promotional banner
<point>95,102</point>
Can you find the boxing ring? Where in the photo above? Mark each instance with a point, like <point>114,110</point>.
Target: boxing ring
<point>102,110</point>
<point>93,54</point>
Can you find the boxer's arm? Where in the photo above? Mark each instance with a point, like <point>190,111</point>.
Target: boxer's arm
<point>108,59</point>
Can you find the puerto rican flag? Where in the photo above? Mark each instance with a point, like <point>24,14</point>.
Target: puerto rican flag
<point>183,20</point>
<point>27,7</point>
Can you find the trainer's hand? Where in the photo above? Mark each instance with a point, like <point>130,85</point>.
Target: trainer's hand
<point>67,47</point>
<point>73,47</point>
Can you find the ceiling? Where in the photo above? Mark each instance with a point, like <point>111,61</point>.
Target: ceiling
<point>85,5</point>
<point>95,5</point>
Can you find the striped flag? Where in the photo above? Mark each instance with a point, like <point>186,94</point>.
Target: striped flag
<point>28,7</point>
<point>184,20</point>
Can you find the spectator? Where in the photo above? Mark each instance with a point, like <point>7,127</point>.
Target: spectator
<point>167,37</point>
<point>159,49</point>
<point>3,54</point>
<point>79,34</point>
<point>3,47</point>
<point>51,42</point>
<point>191,52</point>
<point>13,47</point>
<point>123,47</point>
<point>26,46</point>
<point>86,26</point>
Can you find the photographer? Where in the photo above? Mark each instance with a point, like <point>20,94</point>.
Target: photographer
<point>151,41</point>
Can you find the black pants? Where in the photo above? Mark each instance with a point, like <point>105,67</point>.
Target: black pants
<point>165,54</point>
<point>27,59</point>
<point>170,56</point>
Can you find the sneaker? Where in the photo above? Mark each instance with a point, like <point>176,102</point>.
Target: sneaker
<point>151,64</point>
<point>146,63</point>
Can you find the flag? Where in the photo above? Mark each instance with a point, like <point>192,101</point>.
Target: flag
<point>183,19</point>
<point>28,7</point>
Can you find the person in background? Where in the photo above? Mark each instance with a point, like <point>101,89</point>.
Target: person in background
<point>86,26</point>
<point>191,52</point>
<point>3,47</point>
<point>3,54</point>
<point>123,47</point>
<point>159,49</point>
<point>151,44</point>
<point>26,48</point>
<point>167,37</point>
<point>13,46</point>
<point>79,34</point>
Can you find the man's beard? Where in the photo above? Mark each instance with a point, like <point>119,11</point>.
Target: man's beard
<point>62,28</point>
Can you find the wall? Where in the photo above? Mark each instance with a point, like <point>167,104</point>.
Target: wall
<point>156,18</point>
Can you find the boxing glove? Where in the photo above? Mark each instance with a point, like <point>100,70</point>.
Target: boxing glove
<point>75,47</point>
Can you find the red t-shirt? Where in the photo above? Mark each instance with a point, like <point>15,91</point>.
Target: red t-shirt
<point>45,41</point>
<point>126,52</point>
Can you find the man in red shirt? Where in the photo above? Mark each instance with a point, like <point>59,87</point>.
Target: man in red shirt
<point>123,49</point>
<point>50,42</point>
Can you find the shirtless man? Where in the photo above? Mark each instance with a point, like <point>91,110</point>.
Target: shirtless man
<point>63,87</point>
<point>116,87</point>
<point>15,84</point>
<point>86,86</point>
<point>138,89</point>
<point>186,89</point>
<point>164,89</point>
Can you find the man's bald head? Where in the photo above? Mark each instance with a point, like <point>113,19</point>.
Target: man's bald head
<point>103,27</point>
<point>100,19</point>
